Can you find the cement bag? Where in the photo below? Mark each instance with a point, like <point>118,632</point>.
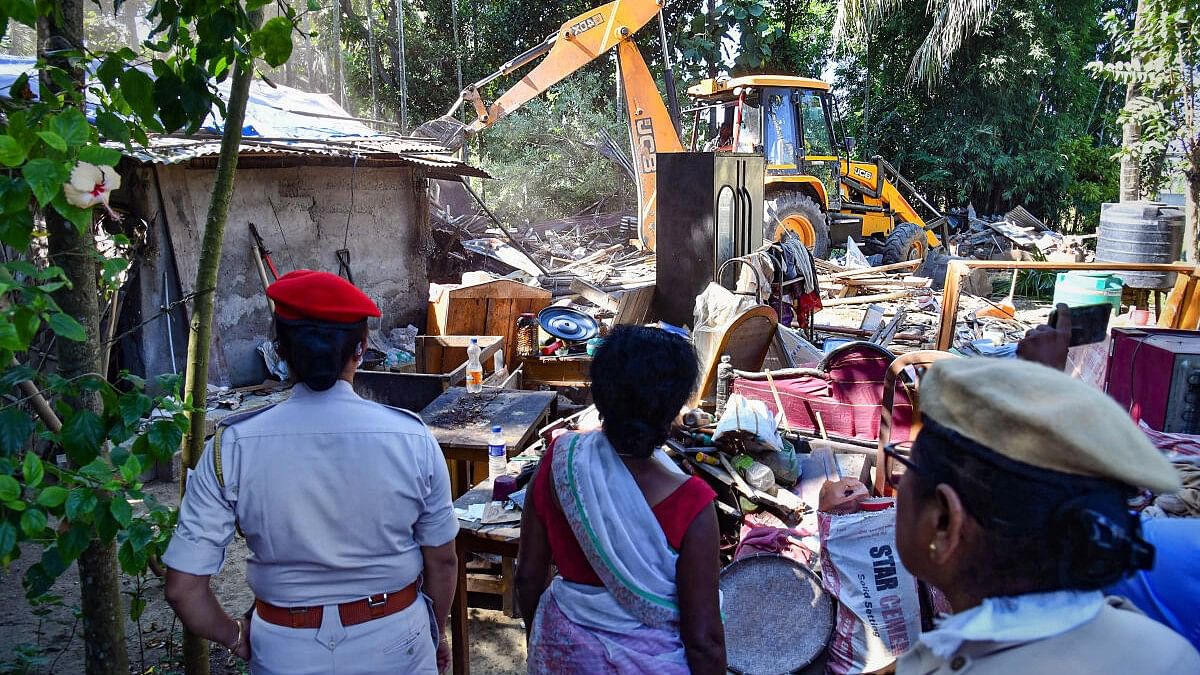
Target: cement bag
<point>879,612</point>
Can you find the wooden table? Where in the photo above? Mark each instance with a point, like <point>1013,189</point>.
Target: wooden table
<point>462,423</point>
<point>475,537</point>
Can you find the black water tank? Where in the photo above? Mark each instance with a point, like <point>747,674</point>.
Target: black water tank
<point>1141,232</point>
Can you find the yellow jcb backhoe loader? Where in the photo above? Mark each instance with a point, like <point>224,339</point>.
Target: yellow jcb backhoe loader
<point>809,190</point>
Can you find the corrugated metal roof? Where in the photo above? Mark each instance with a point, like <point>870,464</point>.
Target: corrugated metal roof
<point>399,149</point>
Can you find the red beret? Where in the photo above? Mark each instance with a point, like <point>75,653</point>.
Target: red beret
<point>320,296</point>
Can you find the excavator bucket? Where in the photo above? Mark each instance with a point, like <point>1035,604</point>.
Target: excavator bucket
<point>446,130</point>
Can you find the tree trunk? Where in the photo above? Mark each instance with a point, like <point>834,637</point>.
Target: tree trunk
<point>1131,132</point>
<point>195,648</point>
<point>129,12</point>
<point>99,584</point>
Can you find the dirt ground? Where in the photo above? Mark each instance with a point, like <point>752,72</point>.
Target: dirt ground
<point>48,640</point>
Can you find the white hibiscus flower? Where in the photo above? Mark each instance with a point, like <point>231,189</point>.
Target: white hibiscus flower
<point>91,185</point>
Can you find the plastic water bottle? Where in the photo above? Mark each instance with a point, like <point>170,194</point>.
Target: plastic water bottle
<point>497,454</point>
<point>474,368</point>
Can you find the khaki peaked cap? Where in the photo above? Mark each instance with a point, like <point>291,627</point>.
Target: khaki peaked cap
<point>1042,417</point>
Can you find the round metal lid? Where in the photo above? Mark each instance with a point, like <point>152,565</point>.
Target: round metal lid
<point>568,324</point>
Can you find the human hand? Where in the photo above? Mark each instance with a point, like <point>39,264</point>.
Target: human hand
<point>243,650</point>
<point>1047,344</point>
<point>443,654</point>
<point>240,646</point>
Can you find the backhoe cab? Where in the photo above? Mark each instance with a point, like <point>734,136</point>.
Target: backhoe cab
<point>813,188</point>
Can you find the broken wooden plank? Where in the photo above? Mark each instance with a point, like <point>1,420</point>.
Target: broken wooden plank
<point>595,296</point>
<point>905,265</point>
<point>633,305</point>
<point>866,299</point>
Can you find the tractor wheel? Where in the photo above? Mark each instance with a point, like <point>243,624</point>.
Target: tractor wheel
<point>797,212</point>
<point>906,242</point>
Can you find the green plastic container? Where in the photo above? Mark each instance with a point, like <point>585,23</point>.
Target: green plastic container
<point>1076,289</point>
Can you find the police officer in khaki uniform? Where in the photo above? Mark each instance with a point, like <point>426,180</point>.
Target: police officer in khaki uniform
<point>344,503</point>
<point>1013,503</point>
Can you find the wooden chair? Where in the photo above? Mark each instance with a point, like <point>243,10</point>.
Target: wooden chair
<point>745,340</point>
<point>920,362</point>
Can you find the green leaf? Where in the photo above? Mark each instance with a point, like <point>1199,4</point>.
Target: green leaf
<point>98,470</point>
<point>106,525</point>
<point>52,497</point>
<point>72,126</point>
<point>131,469</point>
<point>65,326</point>
<point>81,436</point>
<point>274,40</point>
<point>10,489</point>
<point>53,140</point>
<point>16,505</point>
<point>132,561</point>
<point>45,177</point>
<point>164,437</point>
<point>74,541</point>
<point>140,535</point>
<point>15,425</point>
<point>80,504</point>
<point>12,153</point>
<point>10,340</point>
<point>315,6</point>
<point>80,218</point>
<point>120,510</point>
<point>138,90</point>
<point>33,522</point>
<point>101,156</point>
<point>33,470</point>
<point>8,538</point>
<point>252,5</point>
<point>112,127</point>
<point>133,407</point>
<point>137,606</point>
<point>111,268</point>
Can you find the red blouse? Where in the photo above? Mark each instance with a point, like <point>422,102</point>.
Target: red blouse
<point>675,514</point>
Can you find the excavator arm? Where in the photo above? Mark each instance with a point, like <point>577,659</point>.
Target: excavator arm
<point>577,43</point>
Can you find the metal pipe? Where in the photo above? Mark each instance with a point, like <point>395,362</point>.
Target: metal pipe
<point>669,75</point>
<point>520,247</point>
<point>166,310</point>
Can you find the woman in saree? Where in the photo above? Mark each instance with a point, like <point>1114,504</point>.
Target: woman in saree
<point>634,540</point>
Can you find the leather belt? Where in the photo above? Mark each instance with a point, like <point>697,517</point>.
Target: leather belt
<point>354,612</point>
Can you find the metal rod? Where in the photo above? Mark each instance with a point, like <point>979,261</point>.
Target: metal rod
<point>520,247</point>
<point>669,75</point>
<point>166,310</point>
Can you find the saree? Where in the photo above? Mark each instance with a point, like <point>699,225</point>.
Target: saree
<point>631,624</point>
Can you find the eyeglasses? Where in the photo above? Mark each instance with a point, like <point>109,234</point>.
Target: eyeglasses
<point>898,460</point>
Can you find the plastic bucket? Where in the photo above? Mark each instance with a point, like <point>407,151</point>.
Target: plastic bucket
<point>1076,289</point>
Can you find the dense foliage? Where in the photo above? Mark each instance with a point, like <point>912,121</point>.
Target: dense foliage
<point>1015,120</point>
<point>1158,60</point>
<point>71,489</point>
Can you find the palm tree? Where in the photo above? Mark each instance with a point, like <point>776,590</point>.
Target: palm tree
<point>954,21</point>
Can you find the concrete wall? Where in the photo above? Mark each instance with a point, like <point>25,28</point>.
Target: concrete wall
<point>388,238</point>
